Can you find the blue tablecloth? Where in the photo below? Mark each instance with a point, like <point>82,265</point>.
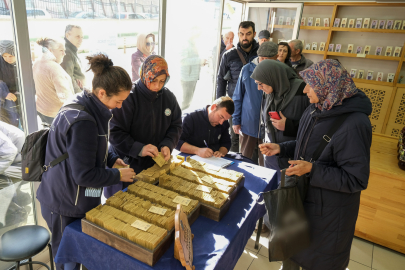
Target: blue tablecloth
<point>217,245</point>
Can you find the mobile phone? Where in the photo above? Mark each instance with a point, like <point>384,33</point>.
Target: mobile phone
<point>275,115</point>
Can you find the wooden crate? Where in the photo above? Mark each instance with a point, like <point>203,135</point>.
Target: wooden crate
<point>382,213</point>
<point>217,214</point>
<point>130,248</point>
<point>396,121</point>
<point>380,97</point>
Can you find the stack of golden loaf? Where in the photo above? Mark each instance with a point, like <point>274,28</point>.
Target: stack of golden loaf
<point>201,178</point>
<point>159,195</point>
<point>229,175</point>
<point>139,207</point>
<point>214,197</point>
<point>120,223</point>
<point>152,174</point>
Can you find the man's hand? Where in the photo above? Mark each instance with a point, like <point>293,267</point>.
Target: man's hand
<point>166,152</point>
<point>221,152</point>
<point>298,167</point>
<point>119,163</point>
<point>127,175</point>
<point>236,129</point>
<point>205,152</point>
<point>229,46</point>
<point>150,150</point>
<point>11,97</point>
<point>269,149</point>
<point>279,124</point>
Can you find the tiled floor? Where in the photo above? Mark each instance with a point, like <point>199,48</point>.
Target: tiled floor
<point>364,256</point>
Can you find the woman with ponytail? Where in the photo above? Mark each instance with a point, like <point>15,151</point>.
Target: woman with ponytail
<point>74,186</point>
<point>53,85</point>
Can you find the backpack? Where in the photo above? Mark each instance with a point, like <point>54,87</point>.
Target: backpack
<point>34,150</point>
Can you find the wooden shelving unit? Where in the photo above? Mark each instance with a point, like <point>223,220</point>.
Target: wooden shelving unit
<point>315,27</point>
<point>283,26</point>
<point>376,57</point>
<point>313,52</point>
<point>372,82</point>
<point>388,31</point>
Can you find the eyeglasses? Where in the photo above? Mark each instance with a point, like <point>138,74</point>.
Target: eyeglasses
<point>259,83</point>
<point>148,44</point>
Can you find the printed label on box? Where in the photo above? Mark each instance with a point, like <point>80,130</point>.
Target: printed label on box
<point>204,188</point>
<point>207,179</point>
<point>158,210</point>
<point>141,225</point>
<point>182,200</point>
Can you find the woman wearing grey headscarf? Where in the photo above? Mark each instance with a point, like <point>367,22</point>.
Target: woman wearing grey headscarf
<point>284,95</point>
<point>9,98</point>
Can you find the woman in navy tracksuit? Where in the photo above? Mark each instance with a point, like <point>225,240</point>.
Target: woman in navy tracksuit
<point>71,188</point>
<point>149,121</point>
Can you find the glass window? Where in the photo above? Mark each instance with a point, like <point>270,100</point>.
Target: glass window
<point>190,49</point>
<point>280,19</point>
<point>84,28</point>
<point>16,206</point>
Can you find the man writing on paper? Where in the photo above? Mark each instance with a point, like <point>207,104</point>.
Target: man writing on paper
<point>205,131</point>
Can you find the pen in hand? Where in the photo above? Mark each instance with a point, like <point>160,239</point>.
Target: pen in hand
<point>206,144</point>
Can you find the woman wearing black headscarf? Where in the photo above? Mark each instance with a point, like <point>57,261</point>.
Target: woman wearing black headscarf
<point>284,95</point>
<point>9,96</point>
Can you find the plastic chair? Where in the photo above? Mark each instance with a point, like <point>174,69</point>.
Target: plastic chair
<point>23,243</point>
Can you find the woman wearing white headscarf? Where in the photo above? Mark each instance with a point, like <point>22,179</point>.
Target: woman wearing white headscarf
<point>53,84</point>
<point>146,47</point>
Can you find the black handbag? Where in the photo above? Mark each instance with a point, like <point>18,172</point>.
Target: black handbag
<point>289,227</point>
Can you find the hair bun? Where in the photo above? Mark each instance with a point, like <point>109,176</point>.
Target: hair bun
<point>99,63</point>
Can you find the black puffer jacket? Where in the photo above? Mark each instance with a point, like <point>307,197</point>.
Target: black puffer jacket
<point>231,61</point>
<point>336,180</point>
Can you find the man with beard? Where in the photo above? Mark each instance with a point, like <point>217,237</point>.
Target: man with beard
<point>232,62</point>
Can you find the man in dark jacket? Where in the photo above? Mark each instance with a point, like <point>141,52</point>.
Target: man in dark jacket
<point>298,61</point>
<point>71,62</point>
<point>205,131</point>
<point>231,65</point>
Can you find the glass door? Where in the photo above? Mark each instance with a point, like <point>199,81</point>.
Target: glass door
<point>16,200</point>
<point>281,20</point>
<point>191,48</point>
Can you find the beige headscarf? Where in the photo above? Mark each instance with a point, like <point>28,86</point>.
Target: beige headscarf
<point>141,44</point>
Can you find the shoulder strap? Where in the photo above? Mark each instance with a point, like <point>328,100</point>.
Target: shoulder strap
<point>327,137</point>
<point>64,156</point>
<point>241,57</point>
<point>74,106</point>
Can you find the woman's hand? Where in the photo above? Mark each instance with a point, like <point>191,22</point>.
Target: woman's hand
<point>150,150</point>
<point>119,163</point>
<point>269,149</point>
<point>127,175</point>
<point>11,97</point>
<point>298,167</point>
<point>279,124</point>
<point>166,152</point>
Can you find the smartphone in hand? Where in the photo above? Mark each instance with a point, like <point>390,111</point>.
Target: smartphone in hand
<point>275,115</point>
